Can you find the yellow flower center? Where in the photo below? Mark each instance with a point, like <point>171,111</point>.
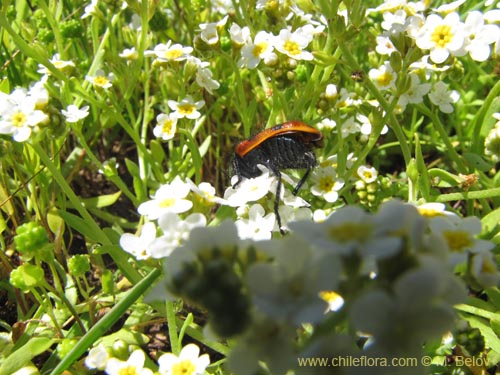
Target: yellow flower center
<point>488,267</point>
<point>367,175</point>
<point>441,35</point>
<point>185,367</point>
<point>167,126</point>
<point>129,370</point>
<point>457,240</point>
<point>429,212</point>
<point>173,54</point>
<point>329,295</point>
<point>349,232</point>
<point>259,48</point>
<point>167,202</point>
<point>185,109</point>
<point>292,47</point>
<point>18,119</point>
<point>384,79</point>
<point>100,81</point>
<point>326,183</point>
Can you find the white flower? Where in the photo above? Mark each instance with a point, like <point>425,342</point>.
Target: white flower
<point>366,125</point>
<point>326,184</point>
<point>133,366</point>
<point>293,44</point>
<point>288,288</point>
<point>97,358</point>
<point>204,79</point>
<point>418,309</point>
<point>442,37</point>
<point>206,193</point>
<point>168,198</point>
<point>367,174</point>
<point>257,226</point>
<point>442,97</point>
<point>166,126</point>
<point>18,115</point>
<point>90,9</point>
<point>349,230</point>
<point>260,49</point>
<point>384,45</point>
<point>433,209</point>
<point>349,126</point>
<point>168,52</point>
<point>450,7</point>
<point>239,35</point>
<point>331,91</point>
<point>187,107</point>
<point>459,235</point>
<point>189,362</point>
<point>394,23</point>
<point>101,79</point>
<point>415,93</point>
<point>334,300</point>
<point>384,77</point>
<point>175,232</point>
<point>248,190</point>
<point>129,54</point>
<point>479,36</point>
<point>209,31</point>
<point>74,114</point>
<point>484,268</point>
<point>139,246</point>
<point>58,63</point>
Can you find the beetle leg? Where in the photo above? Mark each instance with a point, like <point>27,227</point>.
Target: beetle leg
<point>301,182</point>
<point>277,201</point>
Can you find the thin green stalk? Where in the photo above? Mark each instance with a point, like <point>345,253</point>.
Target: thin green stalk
<point>438,125</point>
<point>479,118</point>
<point>477,194</point>
<point>391,119</point>
<point>37,53</point>
<point>106,322</point>
<point>172,328</point>
<point>77,204</point>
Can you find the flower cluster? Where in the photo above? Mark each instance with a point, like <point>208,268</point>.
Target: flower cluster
<point>21,111</point>
<point>390,268</point>
<point>188,362</point>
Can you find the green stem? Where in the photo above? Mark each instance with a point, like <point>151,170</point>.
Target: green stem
<point>438,125</point>
<point>390,117</point>
<point>100,329</point>
<point>172,328</point>
<point>479,118</point>
<point>478,194</point>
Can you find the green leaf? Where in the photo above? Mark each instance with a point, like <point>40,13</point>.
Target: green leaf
<point>133,168</point>
<point>78,224</point>
<point>477,162</point>
<point>102,200</point>
<point>157,150</point>
<point>491,221</point>
<point>490,337</point>
<point>444,179</point>
<point>24,354</point>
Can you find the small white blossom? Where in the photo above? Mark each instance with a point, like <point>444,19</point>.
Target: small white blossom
<point>187,107</point>
<point>367,174</point>
<point>258,226</point>
<point>166,126</point>
<point>189,362</point>
<point>326,184</point>
<point>479,36</point>
<point>101,79</point>
<point>168,198</point>
<point>139,246</point>
<point>443,98</point>
<point>74,114</point>
<point>442,37</point>
<point>134,365</point>
<point>384,77</point>
<point>261,49</point>
<point>293,44</point>
<point>209,32</point>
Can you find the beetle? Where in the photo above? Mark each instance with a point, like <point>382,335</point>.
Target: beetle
<point>289,145</point>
